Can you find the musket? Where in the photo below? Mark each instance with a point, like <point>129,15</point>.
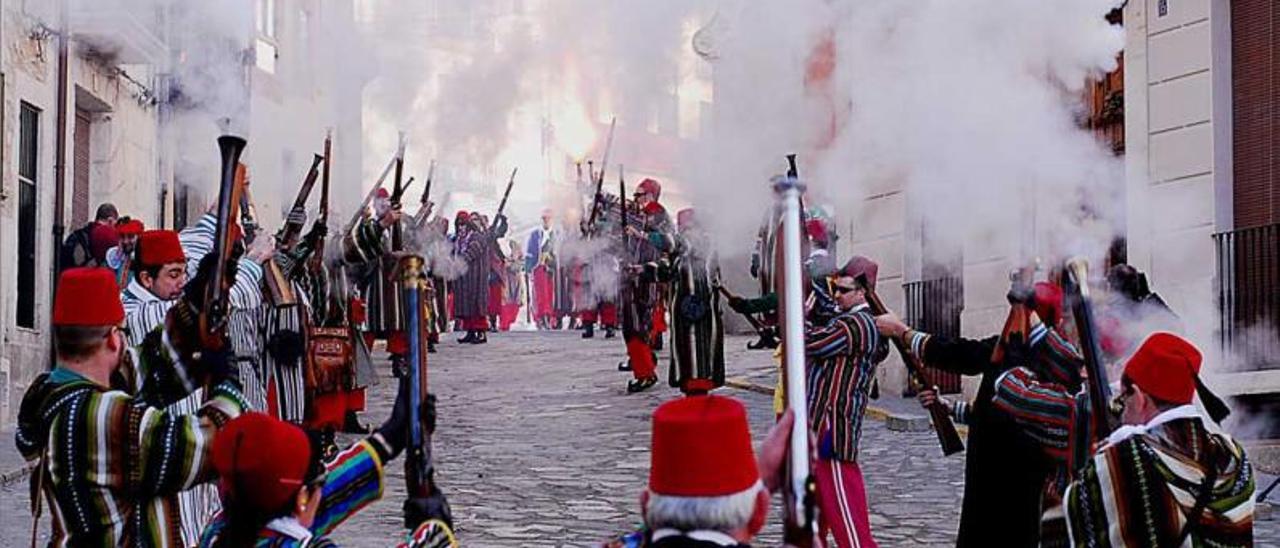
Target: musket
<point>397,194</point>
<point>368,197</point>
<point>426,197</point>
<point>502,206</point>
<point>598,197</point>
<point>760,329</point>
<point>290,231</point>
<point>948,437</point>
<point>248,213</point>
<point>213,315</point>
<point>419,469</point>
<point>799,487</point>
<point>1087,329</point>
<point>316,263</point>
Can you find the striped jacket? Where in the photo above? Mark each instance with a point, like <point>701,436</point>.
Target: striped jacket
<point>1146,485</point>
<point>1048,399</point>
<point>842,362</point>
<point>115,459</point>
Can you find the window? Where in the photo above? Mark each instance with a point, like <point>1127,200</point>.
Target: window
<point>265,51</point>
<point>267,18</point>
<point>28,153</point>
<point>1162,8</point>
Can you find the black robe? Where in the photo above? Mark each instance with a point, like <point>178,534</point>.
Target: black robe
<point>1005,471</point>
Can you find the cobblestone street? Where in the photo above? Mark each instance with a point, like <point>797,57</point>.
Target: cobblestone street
<point>539,445</point>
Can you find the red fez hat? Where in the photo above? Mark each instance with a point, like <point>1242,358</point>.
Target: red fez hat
<point>102,238</point>
<point>262,461</point>
<point>701,448</point>
<point>1048,302</point>
<point>1165,366</point>
<point>132,227</point>
<point>87,297</point>
<point>461,217</point>
<point>382,193</point>
<point>858,266</point>
<point>160,247</point>
<point>816,230</point>
<point>649,186</point>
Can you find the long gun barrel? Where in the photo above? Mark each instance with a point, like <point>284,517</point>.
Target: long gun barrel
<point>502,206</point>
<point>214,314</point>
<point>799,489</point>
<point>290,231</point>
<point>368,197</point>
<point>1087,329</point>
<point>426,197</point>
<point>948,437</point>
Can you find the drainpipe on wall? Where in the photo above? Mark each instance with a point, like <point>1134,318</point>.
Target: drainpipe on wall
<point>59,162</point>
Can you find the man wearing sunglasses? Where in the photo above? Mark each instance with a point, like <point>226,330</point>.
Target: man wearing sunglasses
<point>1163,478</point>
<point>843,354</point>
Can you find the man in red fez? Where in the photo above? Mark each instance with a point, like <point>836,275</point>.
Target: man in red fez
<point>843,355</point>
<point>706,486</point>
<point>1163,478</point>
<point>108,401</point>
<point>999,450</point>
<point>278,490</point>
<point>160,274</point>
<point>120,257</point>
<point>649,239</point>
<point>540,264</point>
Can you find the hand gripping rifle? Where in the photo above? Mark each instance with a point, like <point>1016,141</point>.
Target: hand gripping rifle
<point>425,500</point>
<point>768,338</point>
<point>213,315</point>
<point>248,213</point>
<point>1087,329</point>
<point>316,261</point>
<point>1013,338</point>
<point>947,434</point>
<point>289,233</point>
<point>799,486</point>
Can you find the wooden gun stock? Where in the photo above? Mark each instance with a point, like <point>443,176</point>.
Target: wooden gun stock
<point>1087,329</point>
<point>948,436</point>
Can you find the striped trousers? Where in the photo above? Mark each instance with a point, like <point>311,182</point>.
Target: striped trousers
<point>842,501</point>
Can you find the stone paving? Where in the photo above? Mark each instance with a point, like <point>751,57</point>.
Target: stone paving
<point>539,445</point>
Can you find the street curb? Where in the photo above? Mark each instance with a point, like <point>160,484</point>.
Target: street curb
<point>14,476</point>
<point>877,413</point>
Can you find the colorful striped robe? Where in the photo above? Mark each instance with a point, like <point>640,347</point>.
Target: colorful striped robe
<point>639,294</point>
<point>842,362</point>
<point>354,479</point>
<point>1141,488</point>
<point>115,460</point>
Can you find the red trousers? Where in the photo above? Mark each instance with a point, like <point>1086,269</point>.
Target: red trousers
<point>842,499</point>
<point>660,318</point>
<point>606,314</point>
<point>641,355</point>
<point>330,410</point>
<point>496,292</point>
<point>510,311</point>
<point>544,293</point>
<point>397,342</point>
<point>476,323</point>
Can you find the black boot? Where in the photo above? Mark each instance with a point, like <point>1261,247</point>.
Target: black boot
<point>493,324</point>
<point>640,385</point>
<point>469,339</point>
<point>588,330</point>
<point>609,332</point>
<point>399,368</point>
<point>624,365</point>
<point>657,343</point>
<point>481,338</point>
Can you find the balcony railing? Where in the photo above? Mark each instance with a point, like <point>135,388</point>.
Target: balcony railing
<point>934,306</point>
<point>1249,297</point>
